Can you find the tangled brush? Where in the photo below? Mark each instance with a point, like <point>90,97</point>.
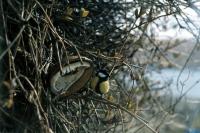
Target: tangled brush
<point>40,38</point>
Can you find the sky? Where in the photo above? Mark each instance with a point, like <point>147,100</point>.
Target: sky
<point>171,32</point>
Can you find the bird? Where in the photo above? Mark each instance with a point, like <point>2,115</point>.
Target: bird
<point>73,12</point>
<point>84,12</point>
<point>100,83</point>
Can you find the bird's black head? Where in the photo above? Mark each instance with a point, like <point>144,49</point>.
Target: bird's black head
<point>103,75</point>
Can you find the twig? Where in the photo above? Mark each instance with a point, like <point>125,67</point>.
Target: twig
<point>127,111</point>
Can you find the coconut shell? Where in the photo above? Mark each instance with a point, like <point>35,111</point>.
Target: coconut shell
<point>75,75</point>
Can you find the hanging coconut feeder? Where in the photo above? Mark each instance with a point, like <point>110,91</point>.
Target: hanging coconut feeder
<point>73,77</point>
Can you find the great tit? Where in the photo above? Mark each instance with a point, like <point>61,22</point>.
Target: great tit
<point>74,12</point>
<point>100,83</point>
<point>84,12</point>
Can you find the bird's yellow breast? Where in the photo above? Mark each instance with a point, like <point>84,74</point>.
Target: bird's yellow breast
<point>104,87</point>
